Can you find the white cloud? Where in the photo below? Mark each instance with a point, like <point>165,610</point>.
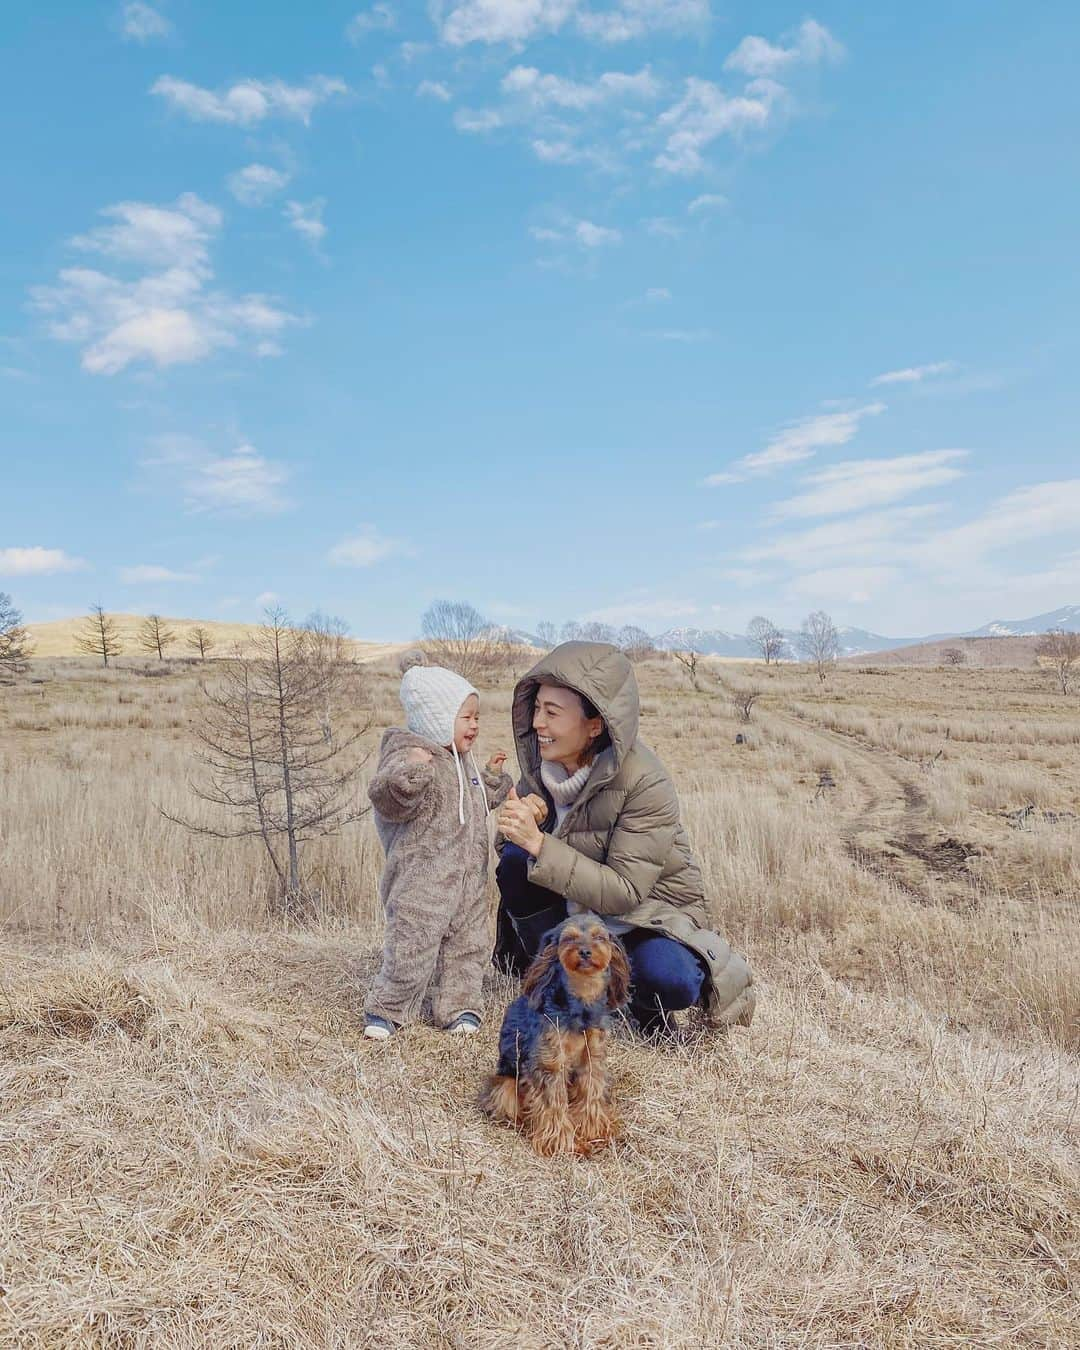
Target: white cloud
<point>306,219</point>
<point>255,184</point>
<point>37,562</point>
<point>477,121</point>
<point>1030,513</point>
<point>249,102</point>
<point>633,19</point>
<point>708,201</point>
<point>798,441</point>
<point>862,483</point>
<point>595,236</point>
<point>433,89</point>
<point>657,295</point>
<point>664,227</point>
<point>149,572</point>
<point>142,23</point>
<point>810,44</point>
<point>366,548</point>
<point>877,537</point>
<point>845,585</point>
<point>542,91</point>
<point>266,599</point>
<point>517,21</point>
<point>241,483</point>
<point>914,374</point>
<point>380,18</point>
<point>165,316</point>
<point>705,113</point>
<point>513,21</point>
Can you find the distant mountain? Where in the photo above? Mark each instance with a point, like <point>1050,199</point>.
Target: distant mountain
<point>853,641</point>
<point>1067,617</point>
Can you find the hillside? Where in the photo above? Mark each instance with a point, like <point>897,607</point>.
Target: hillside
<point>59,637</point>
<point>978,651</point>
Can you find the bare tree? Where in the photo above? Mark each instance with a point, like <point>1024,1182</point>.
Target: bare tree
<point>154,635</point>
<point>571,631</point>
<point>743,701</point>
<point>99,635</point>
<point>270,765</point>
<point>15,645</point>
<point>328,646</point>
<point>547,634</point>
<point>767,638</point>
<point>201,640</point>
<point>597,632</point>
<point>953,656</point>
<point>819,642</point>
<point>635,642</point>
<point>689,661</point>
<point>460,637</point>
<point>1062,650</point>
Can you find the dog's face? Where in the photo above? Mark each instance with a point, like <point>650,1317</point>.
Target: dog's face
<point>593,961</point>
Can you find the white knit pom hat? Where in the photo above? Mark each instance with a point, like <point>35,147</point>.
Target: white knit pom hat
<point>432,697</point>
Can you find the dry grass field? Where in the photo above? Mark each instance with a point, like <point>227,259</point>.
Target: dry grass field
<point>197,1148</point>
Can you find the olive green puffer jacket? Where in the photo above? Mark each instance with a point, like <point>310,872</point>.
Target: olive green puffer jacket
<point>621,849</point>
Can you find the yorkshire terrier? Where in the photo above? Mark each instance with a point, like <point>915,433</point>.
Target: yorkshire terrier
<point>552,1081</point>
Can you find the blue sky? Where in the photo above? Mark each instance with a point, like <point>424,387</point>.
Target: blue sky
<point>652,311</point>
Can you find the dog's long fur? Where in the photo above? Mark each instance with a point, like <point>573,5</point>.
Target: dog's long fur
<point>552,1081</point>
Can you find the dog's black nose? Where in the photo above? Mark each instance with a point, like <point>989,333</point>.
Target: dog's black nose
<point>585,953</point>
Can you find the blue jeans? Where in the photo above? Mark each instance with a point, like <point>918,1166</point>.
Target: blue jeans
<point>666,975</point>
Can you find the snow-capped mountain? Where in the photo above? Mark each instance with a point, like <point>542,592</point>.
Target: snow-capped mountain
<point>1067,617</point>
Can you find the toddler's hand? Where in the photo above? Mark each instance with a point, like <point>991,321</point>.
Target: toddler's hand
<point>497,762</point>
<point>539,806</point>
<point>418,755</point>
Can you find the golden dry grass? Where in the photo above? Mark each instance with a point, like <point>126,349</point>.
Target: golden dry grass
<point>197,1148</point>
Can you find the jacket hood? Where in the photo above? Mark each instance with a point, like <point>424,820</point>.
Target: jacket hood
<point>599,671</point>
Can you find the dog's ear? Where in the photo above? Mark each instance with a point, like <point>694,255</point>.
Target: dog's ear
<point>541,975</point>
<point>618,989</point>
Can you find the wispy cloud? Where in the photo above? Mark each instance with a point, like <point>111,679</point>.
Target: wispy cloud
<point>165,314</point>
<point>380,18</point>
<point>516,22</point>
<point>255,184</point>
<point>863,483</point>
<point>143,23</point>
<point>585,233</point>
<point>545,91</point>
<point>595,236</point>
<point>433,89</point>
<point>367,547</point>
<point>240,482</point>
<point>144,573</point>
<point>657,295</point>
<point>808,44</point>
<point>306,219</point>
<point>914,374</point>
<point>876,537</point>
<point>798,441</point>
<point>37,562</point>
<point>1038,511</point>
<point>708,201</point>
<point>248,102</point>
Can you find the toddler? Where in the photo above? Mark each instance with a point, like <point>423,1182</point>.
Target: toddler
<point>431,804</point>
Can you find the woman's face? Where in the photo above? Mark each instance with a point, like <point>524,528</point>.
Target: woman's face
<point>563,732</point>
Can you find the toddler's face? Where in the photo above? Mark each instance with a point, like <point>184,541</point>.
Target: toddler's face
<point>467,724</point>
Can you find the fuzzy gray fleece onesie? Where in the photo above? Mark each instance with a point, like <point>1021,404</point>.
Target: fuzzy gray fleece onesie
<point>433,886</point>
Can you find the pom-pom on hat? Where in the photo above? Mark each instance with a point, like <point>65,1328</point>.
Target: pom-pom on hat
<point>432,697</point>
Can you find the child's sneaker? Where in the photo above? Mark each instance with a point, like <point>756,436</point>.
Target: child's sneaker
<point>464,1024</point>
<point>378,1028</point>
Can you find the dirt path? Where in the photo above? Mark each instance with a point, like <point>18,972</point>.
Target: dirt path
<point>884,819</point>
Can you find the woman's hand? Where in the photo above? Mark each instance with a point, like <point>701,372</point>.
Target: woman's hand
<point>518,824</point>
<point>538,805</point>
<point>497,762</point>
